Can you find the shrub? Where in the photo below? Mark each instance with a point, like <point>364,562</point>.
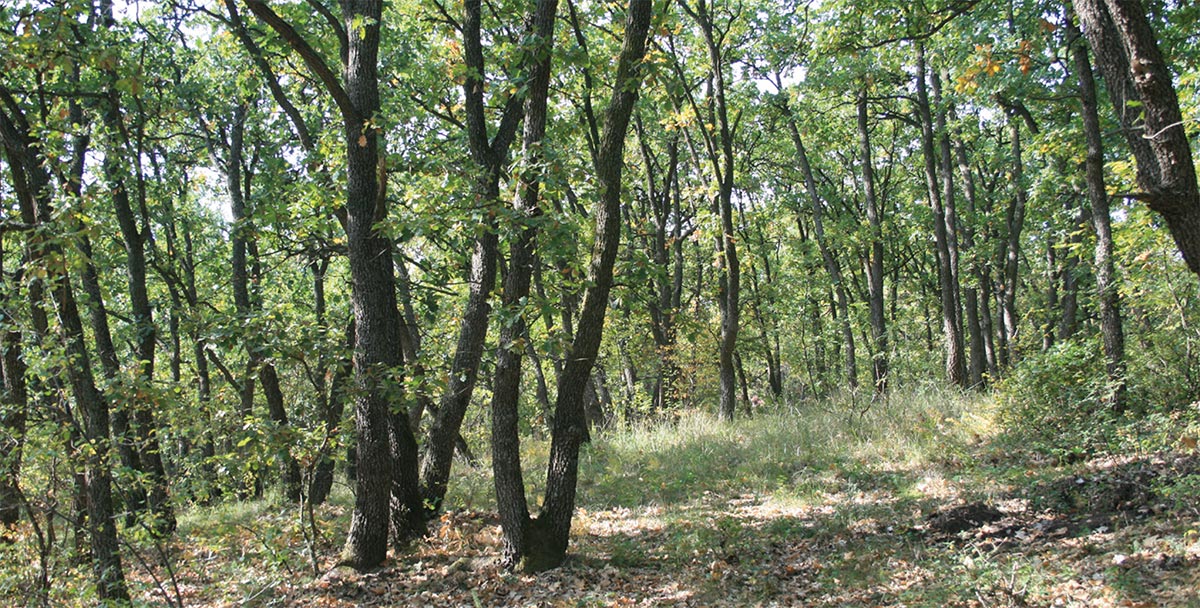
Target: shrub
<point>1058,399</point>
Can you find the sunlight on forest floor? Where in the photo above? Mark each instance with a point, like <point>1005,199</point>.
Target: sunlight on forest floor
<point>915,502</point>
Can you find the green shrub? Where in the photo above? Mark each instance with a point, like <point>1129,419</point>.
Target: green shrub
<point>1058,399</point>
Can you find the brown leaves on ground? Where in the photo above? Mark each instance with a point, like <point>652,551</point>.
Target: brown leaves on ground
<point>1106,533</point>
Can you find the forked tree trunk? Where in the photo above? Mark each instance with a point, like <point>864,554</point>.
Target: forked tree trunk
<point>542,542</point>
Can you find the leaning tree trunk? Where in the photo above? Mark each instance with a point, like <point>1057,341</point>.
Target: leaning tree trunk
<point>542,542</point>
<point>506,458</point>
<point>832,267</point>
<point>550,532</point>
<point>1135,70</point>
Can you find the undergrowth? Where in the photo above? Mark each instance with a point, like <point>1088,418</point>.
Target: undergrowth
<point>810,503</point>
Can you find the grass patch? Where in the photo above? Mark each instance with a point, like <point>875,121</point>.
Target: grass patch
<point>820,504</point>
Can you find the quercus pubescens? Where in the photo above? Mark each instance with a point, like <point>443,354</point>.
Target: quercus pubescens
<point>446,192</point>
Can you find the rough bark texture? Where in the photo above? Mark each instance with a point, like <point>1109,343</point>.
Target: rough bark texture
<point>543,541</point>
<point>490,156</point>
<point>1127,52</point>
<point>942,228</point>
<point>381,445</point>
<point>506,463</point>
<point>1111,329</point>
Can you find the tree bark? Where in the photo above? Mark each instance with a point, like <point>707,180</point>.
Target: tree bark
<point>1111,329</point>
<point>541,543</point>
<point>1127,52</point>
<point>943,226</point>
<point>386,453</point>
<point>506,458</point>
<point>879,358</point>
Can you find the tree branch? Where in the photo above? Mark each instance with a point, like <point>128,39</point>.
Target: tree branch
<point>310,56</point>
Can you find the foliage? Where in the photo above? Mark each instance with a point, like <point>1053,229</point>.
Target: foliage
<point>1058,399</point>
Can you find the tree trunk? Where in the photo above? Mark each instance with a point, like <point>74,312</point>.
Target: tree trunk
<point>542,542</point>
<point>107,568</point>
<point>879,356</point>
<point>978,362</point>
<point>943,227</point>
<point>506,456</point>
<point>1111,329</point>
<point>1015,221</point>
<point>850,364</point>
<point>13,410</point>
<point>1135,70</point>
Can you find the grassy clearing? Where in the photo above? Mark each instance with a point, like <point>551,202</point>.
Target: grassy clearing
<point>829,504</point>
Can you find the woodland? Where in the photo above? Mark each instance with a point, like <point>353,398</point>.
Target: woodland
<point>599,303</point>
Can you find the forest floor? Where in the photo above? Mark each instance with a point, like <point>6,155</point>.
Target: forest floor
<point>917,502</point>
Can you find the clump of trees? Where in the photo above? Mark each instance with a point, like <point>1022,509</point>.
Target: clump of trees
<point>244,241</point>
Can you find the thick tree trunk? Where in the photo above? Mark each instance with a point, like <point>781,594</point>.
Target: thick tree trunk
<point>1111,328</point>
<point>386,459</point>
<point>506,457</point>
<point>1127,52</point>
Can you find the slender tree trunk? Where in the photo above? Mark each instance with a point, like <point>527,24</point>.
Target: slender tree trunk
<point>879,358</point>
<point>1111,329</point>
<point>13,414</point>
<point>943,227</point>
<point>1015,221</point>
<point>506,456</point>
<point>542,543</point>
<point>978,362</point>
<point>107,568</point>
<point>850,364</point>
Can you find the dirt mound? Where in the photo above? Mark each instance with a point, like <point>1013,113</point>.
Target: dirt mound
<point>962,518</point>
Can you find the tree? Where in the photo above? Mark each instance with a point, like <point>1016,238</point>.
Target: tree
<point>1141,90</point>
<point>541,542</point>
<point>387,449</point>
<point>1111,329</point>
